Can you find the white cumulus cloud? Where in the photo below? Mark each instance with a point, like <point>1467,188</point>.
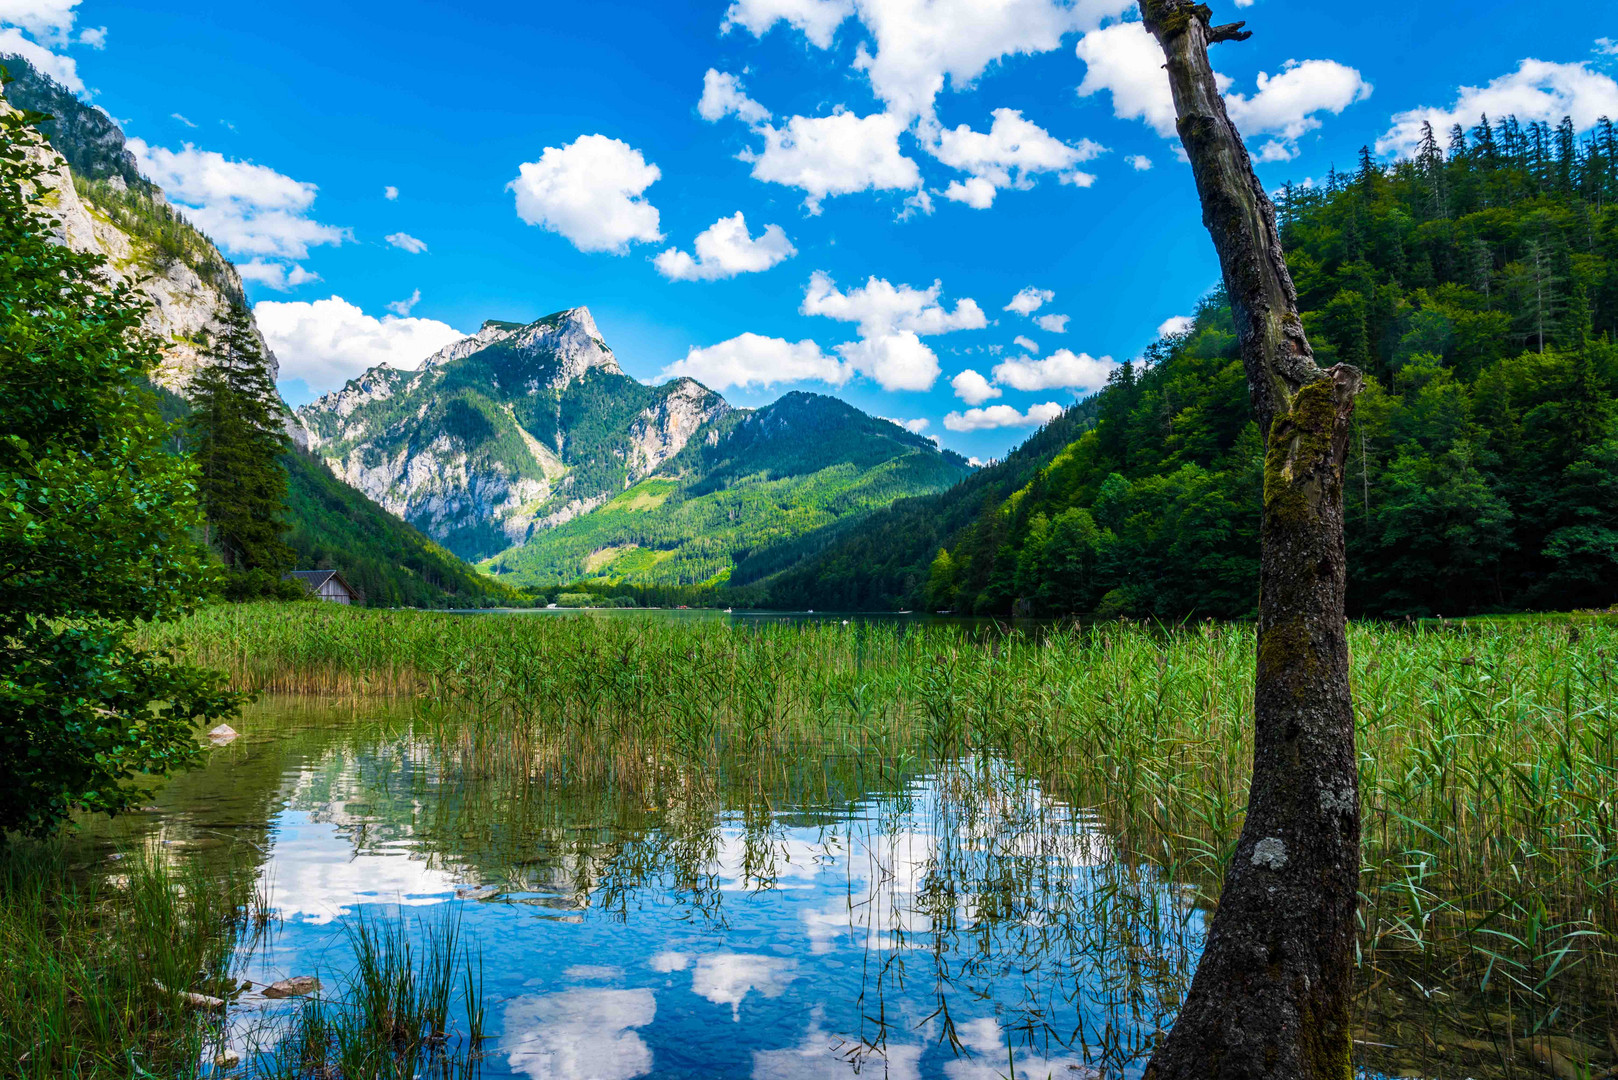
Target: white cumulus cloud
<point>880,307</point>
<point>974,191</point>
<point>1002,416</point>
<point>390,193</point>
<point>1009,155</point>
<point>722,96</point>
<point>1053,324</point>
<point>896,361</point>
<point>282,277</point>
<point>724,250</point>
<point>591,192</point>
<point>327,342</point>
<point>1139,162</point>
<point>247,209</point>
<point>818,19</point>
<point>915,427</point>
<point>973,388</point>
<point>1062,368</point>
<point>1030,300</point>
<point>1537,90</point>
<point>1026,343</point>
<point>834,155</point>
<point>402,307</point>
<point>1126,61</point>
<point>1288,105</point>
<point>406,242</point>
<point>755,360</point>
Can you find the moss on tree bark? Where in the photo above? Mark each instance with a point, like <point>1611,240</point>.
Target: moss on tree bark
<point>1271,995</point>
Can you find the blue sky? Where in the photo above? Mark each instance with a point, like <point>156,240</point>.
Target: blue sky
<point>904,169</point>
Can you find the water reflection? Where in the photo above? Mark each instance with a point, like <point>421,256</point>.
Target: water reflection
<point>778,916</point>
<point>579,1034</point>
<point>317,874</point>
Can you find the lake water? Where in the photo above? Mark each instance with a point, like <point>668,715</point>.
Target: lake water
<point>803,917</point>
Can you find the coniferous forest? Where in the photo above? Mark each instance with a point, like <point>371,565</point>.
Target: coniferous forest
<point>1476,285</point>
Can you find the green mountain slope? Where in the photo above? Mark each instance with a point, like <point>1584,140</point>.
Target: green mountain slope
<point>335,527</point>
<point>1478,289</point>
<point>742,492</point>
<point>880,562</point>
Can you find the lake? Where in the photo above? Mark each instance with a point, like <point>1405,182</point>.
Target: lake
<point>829,919</point>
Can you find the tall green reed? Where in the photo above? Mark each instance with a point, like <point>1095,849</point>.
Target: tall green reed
<point>1488,757</point>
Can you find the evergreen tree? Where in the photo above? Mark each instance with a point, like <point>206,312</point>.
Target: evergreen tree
<point>96,528</point>
<point>1479,467</point>
<point>237,439</point>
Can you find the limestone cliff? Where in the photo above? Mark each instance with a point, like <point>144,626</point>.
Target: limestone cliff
<point>518,427</point>
<point>103,205</point>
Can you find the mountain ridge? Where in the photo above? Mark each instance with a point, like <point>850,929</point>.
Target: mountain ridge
<point>518,430</point>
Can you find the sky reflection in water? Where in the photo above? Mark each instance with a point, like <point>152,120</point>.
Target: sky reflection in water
<point>955,924</point>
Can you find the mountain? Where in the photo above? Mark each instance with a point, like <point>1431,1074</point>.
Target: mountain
<point>103,205</point>
<point>733,506</point>
<point>1476,288</point>
<point>527,445</point>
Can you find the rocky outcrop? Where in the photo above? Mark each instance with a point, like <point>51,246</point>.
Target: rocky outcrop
<point>188,297</point>
<point>660,432</point>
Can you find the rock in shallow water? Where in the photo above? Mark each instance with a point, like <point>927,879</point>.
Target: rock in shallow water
<point>297,986</point>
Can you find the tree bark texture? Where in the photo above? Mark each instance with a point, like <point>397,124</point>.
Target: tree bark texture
<point>1271,995</point>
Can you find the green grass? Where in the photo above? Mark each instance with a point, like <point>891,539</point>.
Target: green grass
<point>1488,755</point>
<point>91,966</point>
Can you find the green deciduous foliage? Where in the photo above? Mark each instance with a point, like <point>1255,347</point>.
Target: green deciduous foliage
<point>96,529</point>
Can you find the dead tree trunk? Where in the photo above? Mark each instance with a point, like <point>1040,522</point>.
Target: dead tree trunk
<point>1271,996</point>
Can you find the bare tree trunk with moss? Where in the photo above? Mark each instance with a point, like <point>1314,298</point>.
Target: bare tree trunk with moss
<point>1271,996</point>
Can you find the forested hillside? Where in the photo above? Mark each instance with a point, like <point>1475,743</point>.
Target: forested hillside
<point>1476,285</point>
<point>880,562</point>
<point>732,505</point>
<point>388,561</point>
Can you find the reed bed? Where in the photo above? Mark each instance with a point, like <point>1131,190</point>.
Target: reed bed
<point>96,970</point>
<point>1488,763</point>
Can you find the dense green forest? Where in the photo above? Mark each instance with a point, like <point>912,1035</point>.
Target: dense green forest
<point>333,526</point>
<point>1476,285</point>
<point>732,507</point>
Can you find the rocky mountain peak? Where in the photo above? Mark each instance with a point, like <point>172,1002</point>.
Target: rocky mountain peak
<point>572,339</point>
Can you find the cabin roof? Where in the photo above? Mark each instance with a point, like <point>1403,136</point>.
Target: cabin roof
<point>314,579</point>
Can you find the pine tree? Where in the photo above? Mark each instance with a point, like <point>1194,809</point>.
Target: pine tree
<point>237,438</point>
<point>1430,160</point>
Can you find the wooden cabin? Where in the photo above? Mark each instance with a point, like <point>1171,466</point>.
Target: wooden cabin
<point>327,585</point>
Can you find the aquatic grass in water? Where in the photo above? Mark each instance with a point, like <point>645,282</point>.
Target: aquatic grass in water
<point>394,1013</point>
<point>95,970</point>
<point>1490,913</point>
